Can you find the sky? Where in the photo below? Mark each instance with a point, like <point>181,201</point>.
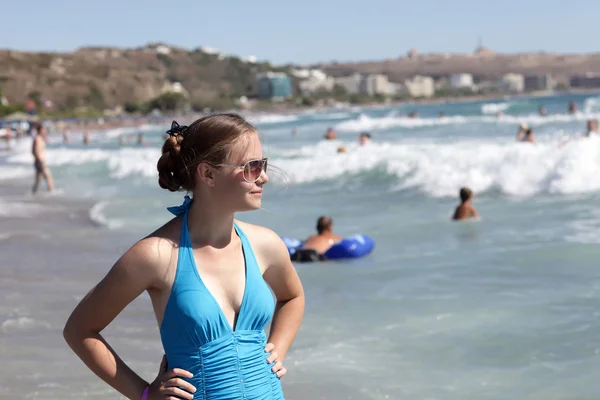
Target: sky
<point>307,31</point>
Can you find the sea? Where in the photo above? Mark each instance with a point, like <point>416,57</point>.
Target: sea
<point>502,307</point>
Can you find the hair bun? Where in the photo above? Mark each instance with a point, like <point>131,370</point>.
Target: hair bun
<point>168,165</point>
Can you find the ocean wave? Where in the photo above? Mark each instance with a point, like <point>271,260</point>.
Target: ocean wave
<point>439,170</point>
<point>493,108</point>
<point>365,123</point>
<point>97,215</point>
<point>264,119</point>
<point>591,105</point>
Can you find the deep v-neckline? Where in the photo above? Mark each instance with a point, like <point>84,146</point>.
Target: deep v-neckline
<point>236,318</point>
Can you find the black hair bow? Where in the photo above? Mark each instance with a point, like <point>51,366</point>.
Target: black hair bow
<point>177,129</point>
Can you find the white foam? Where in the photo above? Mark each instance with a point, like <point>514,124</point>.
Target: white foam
<point>591,105</point>
<point>439,170</point>
<point>9,172</point>
<point>133,162</point>
<point>493,108</point>
<point>366,123</point>
<point>122,162</point>
<point>97,214</point>
<point>22,324</point>
<point>21,209</point>
<point>263,119</point>
<point>116,132</point>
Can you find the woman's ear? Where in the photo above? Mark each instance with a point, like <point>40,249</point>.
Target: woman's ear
<point>206,173</point>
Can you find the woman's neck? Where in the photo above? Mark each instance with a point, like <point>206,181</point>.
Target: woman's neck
<point>209,226</point>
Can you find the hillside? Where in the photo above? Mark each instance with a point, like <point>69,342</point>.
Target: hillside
<point>107,77</point>
<point>483,66</point>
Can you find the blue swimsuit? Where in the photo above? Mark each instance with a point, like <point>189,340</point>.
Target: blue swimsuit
<point>227,363</point>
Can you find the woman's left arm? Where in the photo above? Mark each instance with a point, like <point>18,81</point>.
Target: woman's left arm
<point>281,276</point>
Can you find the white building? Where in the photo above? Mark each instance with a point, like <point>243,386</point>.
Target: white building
<point>314,80</point>
<point>461,81</point>
<point>420,86</point>
<point>513,82</point>
<point>174,87</point>
<point>396,89</point>
<point>249,59</point>
<point>374,84</point>
<point>162,49</point>
<point>350,83</point>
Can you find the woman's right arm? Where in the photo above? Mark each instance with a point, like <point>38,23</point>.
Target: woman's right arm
<point>136,271</point>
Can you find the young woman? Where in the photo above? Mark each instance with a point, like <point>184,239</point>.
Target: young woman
<point>208,277</point>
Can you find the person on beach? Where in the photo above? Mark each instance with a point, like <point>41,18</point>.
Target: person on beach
<point>324,239</point>
<point>38,150</point>
<point>209,278</point>
<point>465,209</point>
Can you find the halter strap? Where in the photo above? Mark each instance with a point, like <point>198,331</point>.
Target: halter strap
<point>178,210</point>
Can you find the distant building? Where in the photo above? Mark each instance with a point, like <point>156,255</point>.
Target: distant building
<point>274,85</point>
<point>587,81</point>
<point>174,87</point>
<point>396,89</point>
<point>461,81</point>
<point>249,59</point>
<point>162,49</point>
<point>350,83</point>
<point>513,83</point>
<point>374,84</point>
<point>481,50</point>
<point>412,53</point>
<point>538,82</point>
<point>371,84</point>
<point>314,80</point>
<point>420,86</point>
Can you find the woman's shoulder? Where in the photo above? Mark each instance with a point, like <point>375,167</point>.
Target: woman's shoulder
<point>265,242</point>
<point>156,249</point>
<point>258,234</point>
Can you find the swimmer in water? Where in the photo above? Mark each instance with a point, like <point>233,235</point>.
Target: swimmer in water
<point>330,134</point>
<point>521,132</point>
<point>324,239</point>
<point>465,209</point>
<point>364,138</point>
<point>528,136</point>
<point>592,127</point>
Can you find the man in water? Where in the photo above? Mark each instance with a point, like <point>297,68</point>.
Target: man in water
<point>324,239</point>
<point>330,134</point>
<point>528,136</point>
<point>39,154</point>
<point>521,132</point>
<point>592,127</point>
<point>364,138</point>
<point>465,209</point>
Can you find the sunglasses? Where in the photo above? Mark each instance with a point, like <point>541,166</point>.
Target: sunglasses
<point>252,170</point>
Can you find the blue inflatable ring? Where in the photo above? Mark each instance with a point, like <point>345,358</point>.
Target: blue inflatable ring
<point>349,247</point>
